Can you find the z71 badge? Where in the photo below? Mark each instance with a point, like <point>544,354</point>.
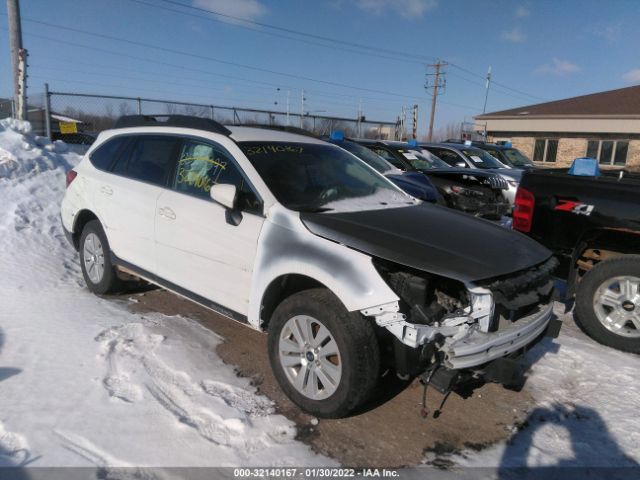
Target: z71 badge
<point>574,207</point>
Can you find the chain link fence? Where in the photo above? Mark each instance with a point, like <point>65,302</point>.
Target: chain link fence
<point>50,112</point>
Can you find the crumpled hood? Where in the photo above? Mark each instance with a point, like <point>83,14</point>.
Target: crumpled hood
<point>432,239</point>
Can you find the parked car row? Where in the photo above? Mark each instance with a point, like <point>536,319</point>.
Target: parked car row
<point>351,276</point>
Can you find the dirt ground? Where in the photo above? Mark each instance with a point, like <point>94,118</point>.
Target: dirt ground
<point>390,433</point>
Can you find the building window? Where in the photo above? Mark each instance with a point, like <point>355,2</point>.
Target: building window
<point>608,152</point>
<point>545,150</point>
<point>592,148</point>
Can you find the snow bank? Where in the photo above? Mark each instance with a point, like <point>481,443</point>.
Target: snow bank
<point>23,153</point>
<point>83,381</point>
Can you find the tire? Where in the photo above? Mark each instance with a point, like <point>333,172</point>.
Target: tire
<point>95,261</point>
<point>349,334</point>
<point>612,318</point>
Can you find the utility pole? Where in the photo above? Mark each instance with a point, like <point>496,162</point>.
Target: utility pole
<point>288,102</point>
<point>437,86</point>
<point>360,119</point>
<point>486,94</point>
<point>415,122</point>
<point>302,99</point>
<point>18,59</point>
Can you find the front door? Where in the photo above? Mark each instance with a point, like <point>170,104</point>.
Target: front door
<point>197,247</point>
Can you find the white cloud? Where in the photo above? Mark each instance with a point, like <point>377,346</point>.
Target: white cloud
<point>405,8</point>
<point>246,9</point>
<point>514,35</point>
<point>632,76</point>
<point>558,67</point>
<point>610,32</point>
<point>522,12</point>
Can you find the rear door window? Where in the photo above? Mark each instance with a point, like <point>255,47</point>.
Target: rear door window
<point>149,159</point>
<point>107,153</point>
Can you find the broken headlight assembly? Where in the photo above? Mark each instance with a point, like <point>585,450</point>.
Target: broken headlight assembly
<point>431,307</point>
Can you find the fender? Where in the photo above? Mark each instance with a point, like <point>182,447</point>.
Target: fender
<point>286,247</point>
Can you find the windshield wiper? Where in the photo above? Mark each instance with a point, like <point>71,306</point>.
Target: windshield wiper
<point>310,209</point>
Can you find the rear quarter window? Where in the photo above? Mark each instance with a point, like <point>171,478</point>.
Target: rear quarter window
<point>107,153</point>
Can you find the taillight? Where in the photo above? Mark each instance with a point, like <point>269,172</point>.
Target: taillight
<point>71,176</point>
<point>523,211</point>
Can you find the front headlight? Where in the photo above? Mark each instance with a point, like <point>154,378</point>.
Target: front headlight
<point>512,183</point>
<point>482,306</point>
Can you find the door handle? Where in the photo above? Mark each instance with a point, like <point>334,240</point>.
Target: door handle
<point>106,190</point>
<point>167,213</point>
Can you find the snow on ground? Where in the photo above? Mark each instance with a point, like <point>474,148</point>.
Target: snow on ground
<point>84,382</point>
<point>586,415</point>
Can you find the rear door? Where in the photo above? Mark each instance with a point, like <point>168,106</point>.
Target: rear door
<point>198,247</point>
<point>126,197</point>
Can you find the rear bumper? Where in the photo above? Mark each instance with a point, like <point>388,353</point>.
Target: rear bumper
<point>479,348</point>
<point>68,235</point>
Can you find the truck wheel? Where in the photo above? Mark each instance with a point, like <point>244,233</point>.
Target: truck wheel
<point>608,303</point>
<point>325,359</point>
<point>95,261</point>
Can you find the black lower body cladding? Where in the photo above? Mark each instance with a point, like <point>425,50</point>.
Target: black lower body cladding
<point>516,294</point>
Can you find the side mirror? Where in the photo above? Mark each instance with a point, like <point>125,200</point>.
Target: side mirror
<point>224,194</point>
<point>461,164</point>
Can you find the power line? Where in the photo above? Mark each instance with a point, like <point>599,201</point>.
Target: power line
<point>213,59</point>
<point>369,52</point>
<point>366,49</point>
<point>291,31</point>
<point>496,83</point>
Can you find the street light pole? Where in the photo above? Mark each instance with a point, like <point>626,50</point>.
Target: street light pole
<point>486,93</point>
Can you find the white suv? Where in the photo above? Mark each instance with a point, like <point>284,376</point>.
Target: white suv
<point>350,276</point>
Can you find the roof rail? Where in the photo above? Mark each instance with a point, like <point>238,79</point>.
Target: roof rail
<point>279,128</point>
<point>182,121</point>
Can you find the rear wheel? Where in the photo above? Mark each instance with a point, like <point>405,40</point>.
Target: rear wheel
<point>97,270</point>
<point>608,303</point>
<point>325,359</point>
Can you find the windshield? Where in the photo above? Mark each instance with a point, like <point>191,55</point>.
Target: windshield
<point>367,156</point>
<point>481,159</point>
<point>517,158</point>
<point>423,159</point>
<point>315,177</point>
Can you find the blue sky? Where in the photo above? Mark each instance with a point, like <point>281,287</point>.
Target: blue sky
<point>544,49</point>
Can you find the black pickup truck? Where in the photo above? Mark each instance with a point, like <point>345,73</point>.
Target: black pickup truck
<point>592,224</point>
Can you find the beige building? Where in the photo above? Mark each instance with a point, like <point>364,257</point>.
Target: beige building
<point>603,125</point>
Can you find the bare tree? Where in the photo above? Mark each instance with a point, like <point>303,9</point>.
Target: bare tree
<point>124,108</point>
<point>445,132</point>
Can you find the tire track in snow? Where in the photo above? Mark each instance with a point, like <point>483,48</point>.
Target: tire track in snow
<point>134,368</point>
<point>107,465</point>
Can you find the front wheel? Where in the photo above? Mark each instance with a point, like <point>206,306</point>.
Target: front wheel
<point>325,359</point>
<point>608,303</point>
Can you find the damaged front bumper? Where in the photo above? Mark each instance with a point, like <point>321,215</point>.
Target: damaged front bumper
<point>478,347</point>
<point>467,345</point>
